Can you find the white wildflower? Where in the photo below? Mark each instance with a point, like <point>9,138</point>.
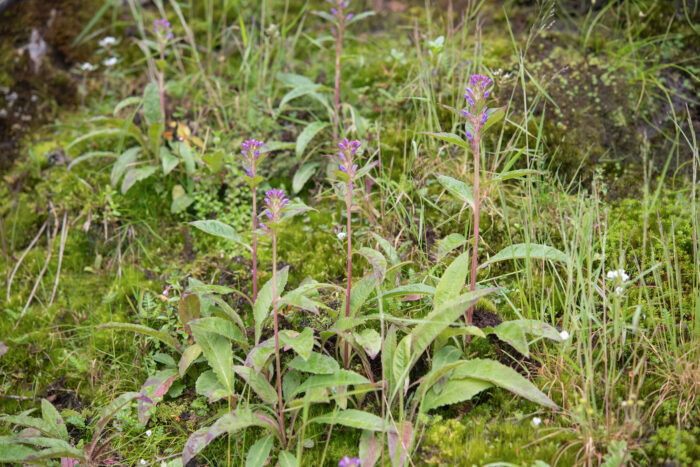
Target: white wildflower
<point>142,462</point>
<point>107,41</point>
<point>536,421</point>
<point>87,66</point>
<point>564,335</point>
<point>149,433</point>
<point>618,274</point>
<point>618,290</point>
<point>111,61</point>
<point>342,235</point>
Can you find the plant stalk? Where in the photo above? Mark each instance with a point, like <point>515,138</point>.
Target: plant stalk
<point>476,149</point>
<point>348,207</point>
<point>255,246</point>
<point>280,409</point>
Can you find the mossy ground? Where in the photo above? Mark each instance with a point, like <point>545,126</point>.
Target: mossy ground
<point>620,92</point>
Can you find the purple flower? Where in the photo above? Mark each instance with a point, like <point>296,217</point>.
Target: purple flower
<point>476,95</point>
<point>250,152</point>
<point>469,136</point>
<point>161,26</point>
<point>350,16</point>
<point>334,11</point>
<point>350,462</point>
<point>275,201</point>
<point>346,153</point>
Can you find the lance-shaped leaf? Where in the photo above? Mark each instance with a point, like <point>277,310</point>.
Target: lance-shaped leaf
<point>459,190</point>
<point>231,422</point>
<point>452,280</point>
<point>360,292</point>
<point>164,337</point>
<point>188,309</point>
<point>190,354</point>
<point>400,439</point>
<point>352,418</point>
<point>52,417</point>
<point>514,335</point>
<point>218,229</point>
<point>303,175</point>
<point>450,138</point>
<point>370,340</point>
<point>154,388</point>
<point>218,352</point>
<point>339,378</point>
<point>301,342</point>
<point>409,290</point>
<point>306,136</point>
<point>449,243</point>
<point>258,383</point>
<point>262,306</point>
<point>317,363</point>
<point>209,386</point>
<point>259,452</point>
<point>528,250</point>
<point>370,448</point>
<point>376,259</point>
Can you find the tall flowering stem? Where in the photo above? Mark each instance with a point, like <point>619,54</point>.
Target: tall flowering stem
<point>163,33</point>
<point>346,157</point>
<point>251,158</point>
<point>341,20</point>
<point>477,115</point>
<point>275,202</point>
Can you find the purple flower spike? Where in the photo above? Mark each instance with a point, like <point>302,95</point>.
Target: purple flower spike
<point>274,202</point>
<point>350,462</point>
<point>250,152</point>
<point>334,11</point>
<point>350,16</point>
<point>477,110</point>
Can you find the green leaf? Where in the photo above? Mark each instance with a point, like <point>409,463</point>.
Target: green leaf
<point>167,160</point>
<point>352,418</point>
<point>15,453</point>
<point>136,175</point>
<point>528,250</point>
<point>370,340</point>
<point>164,337</point>
<point>151,104</point>
<point>303,175</point>
<point>361,291</point>
<point>214,160</point>
<point>496,114</point>
<point>259,452</point>
<point>388,248</point>
<point>513,334</point>
<point>121,164</point>
<point>377,260</point>
<point>449,243</point>
<point>52,417</point>
<point>187,156</point>
<point>452,280</point>
<point>298,92</point>
<point>155,388</point>
<point>181,200</point>
<point>90,155</point>
<point>455,390</point>
<point>111,409</point>
<point>155,135</point>
<point>511,175</point>
<point>190,354</point>
<point>361,16</point>
<point>222,327</point>
<point>230,422</point>
<point>339,378</point>
<point>217,350</point>
<point>188,309</point>
<point>538,328</point>
<point>504,377</point>
<point>307,135</point>
<point>261,308</point>
<point>104,133</point>
<point>388,351</point>
<point>450,138</point>
<point>257,383</point>
<point>218,229</point>
<point>129,101</point>
<point>410,289</point>
<point>208,385</point>
<point>26,421</point>
<point>459,190</point>
<point>402,360</point>
<point>302,343</point>
<point>317,363</point>
<point>287,459</point>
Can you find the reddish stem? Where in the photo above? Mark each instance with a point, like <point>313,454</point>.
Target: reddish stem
<point>348,207</point>
<point>475,254</point>
<point>336,90</point>
<point>255,246</point>
<point>280,410</point>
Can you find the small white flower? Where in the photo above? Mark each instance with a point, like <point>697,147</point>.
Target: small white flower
<point>149,432</point>
<point>342,235</point>
<point>564,335</point>
<point>618,291</point>
<point>618,274</point>
<point>107,41</point>
<point>536,421</point>
<point>142,462</point>
<point>87,66</point>
<point>111,61</point>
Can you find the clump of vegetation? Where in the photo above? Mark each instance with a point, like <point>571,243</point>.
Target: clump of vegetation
<point>285,232</point>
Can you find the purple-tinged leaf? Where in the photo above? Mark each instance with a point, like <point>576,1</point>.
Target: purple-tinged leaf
<point>154,389</point>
